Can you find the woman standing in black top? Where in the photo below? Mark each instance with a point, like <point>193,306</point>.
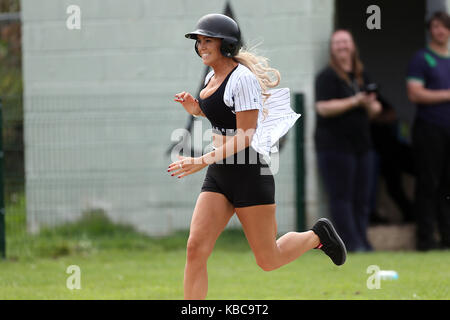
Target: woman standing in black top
<point>343,141</point>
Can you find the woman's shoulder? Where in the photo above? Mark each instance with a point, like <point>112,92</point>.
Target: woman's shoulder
<point>243,72</point>
<point>242,76</point>
<point>327,72</point>
<point>326,76</point>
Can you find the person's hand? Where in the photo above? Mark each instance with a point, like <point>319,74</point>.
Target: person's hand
<point>188,102</point>
<point>186,166</point>
<point>358,99</point>
<point>372,105</point>
<point>368,99</point>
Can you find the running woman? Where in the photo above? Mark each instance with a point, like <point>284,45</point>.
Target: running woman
<point>235,100</point>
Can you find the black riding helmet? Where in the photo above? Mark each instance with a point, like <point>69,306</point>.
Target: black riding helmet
<point>217,25</point>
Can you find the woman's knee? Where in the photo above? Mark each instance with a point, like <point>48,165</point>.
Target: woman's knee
<point>266,263</point>
<point>197,250</point>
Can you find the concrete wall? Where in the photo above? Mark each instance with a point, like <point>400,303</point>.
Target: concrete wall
<point>99,113</point>
<point>448,10</point>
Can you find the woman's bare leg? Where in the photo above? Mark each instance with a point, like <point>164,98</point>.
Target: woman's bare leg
<point>211,215</point>
<point>259,225</point>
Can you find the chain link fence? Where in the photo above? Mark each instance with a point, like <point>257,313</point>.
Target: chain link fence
<point>13,171</point>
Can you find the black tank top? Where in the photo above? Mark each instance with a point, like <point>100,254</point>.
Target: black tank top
<point>223,120</point>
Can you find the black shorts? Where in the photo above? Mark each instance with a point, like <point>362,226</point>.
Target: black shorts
<point>244,183</point>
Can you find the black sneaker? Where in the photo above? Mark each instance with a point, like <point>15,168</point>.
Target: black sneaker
<point>330,242</point>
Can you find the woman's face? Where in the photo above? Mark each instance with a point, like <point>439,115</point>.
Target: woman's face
<point>342,45</point>
<point>209,49</point>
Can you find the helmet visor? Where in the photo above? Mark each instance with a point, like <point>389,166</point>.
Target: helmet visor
<point>199,32</point>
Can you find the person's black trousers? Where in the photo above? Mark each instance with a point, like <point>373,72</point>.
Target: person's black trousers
<point>346,177</point>
<point>431,149</point>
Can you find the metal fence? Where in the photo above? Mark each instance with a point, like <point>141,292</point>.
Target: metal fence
<point>107,154</point>
<point>13,186</point>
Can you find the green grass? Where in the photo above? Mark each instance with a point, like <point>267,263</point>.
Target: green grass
<point>118,263</point>
<point>233,274</point>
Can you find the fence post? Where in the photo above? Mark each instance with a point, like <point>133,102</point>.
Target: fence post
<point>2,200</point>
<point>300,161</point>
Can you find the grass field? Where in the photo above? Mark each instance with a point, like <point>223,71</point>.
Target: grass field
<point>119,263</point>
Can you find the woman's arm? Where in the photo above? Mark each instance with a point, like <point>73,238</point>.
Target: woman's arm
<point>246,122</point>
<point>335,107</point>
<point>200,114</point>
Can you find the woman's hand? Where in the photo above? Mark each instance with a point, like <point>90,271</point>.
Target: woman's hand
<point>372,105</point>
<point>368,98</point>
<point>359,99</point>
<point>186,166</point>
<point>188,102</point>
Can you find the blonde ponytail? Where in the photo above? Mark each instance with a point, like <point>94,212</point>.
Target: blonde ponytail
<point>267,77</point>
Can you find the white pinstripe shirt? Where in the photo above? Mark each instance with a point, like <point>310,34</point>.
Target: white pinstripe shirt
<point>275,116</point>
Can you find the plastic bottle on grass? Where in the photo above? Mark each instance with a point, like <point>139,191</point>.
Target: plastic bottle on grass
<point>388,275</point>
